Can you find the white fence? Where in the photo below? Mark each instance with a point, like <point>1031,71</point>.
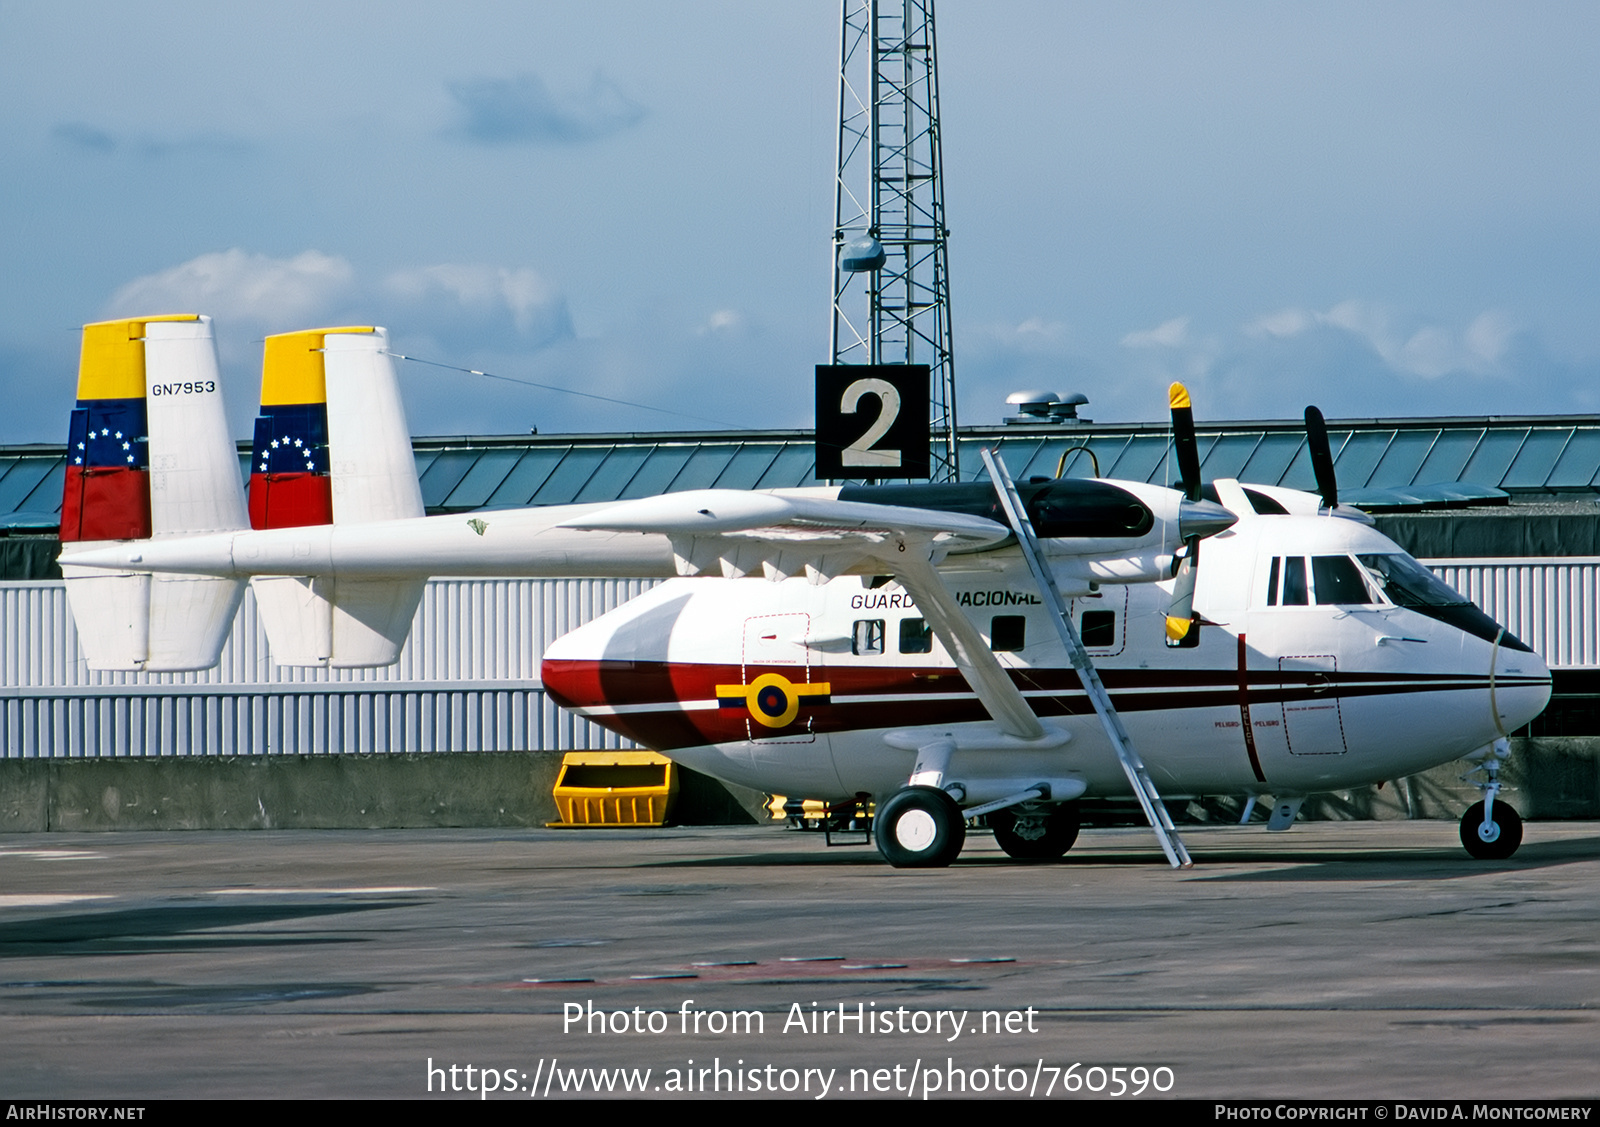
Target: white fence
<point>468,678</point>
<point>1550,604</point>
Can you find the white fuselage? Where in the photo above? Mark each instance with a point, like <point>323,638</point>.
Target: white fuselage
<point>1278,695</point>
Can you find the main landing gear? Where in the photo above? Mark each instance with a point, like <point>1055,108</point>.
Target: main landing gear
<point>920,828</point>
<point>1036,834</point>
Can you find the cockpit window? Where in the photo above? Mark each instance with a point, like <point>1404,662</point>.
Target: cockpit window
<point>1408,584</point>
<point>1338,581</point>
<point>1330,581</point>
<point>1294,581</point>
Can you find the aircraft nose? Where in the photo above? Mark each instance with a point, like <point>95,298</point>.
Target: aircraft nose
<point>1521,687</point>
<point>1203,518</point>
<point>568,677</point>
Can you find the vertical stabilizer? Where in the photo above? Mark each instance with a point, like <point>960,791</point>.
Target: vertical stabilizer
<point>149,455</point>
<point>332,447</point>
<point>374,469</point>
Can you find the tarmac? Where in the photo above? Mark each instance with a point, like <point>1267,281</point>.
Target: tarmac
<point>1351,960</point>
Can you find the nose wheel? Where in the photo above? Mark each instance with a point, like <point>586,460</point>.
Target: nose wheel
<point>1490,830</point>
<point>920,828</point>
<point>1491,838</point>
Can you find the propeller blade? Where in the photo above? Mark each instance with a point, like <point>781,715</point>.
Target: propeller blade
<point>1180,615</point>
<point>1321,458</point>
<point>1183,440</point>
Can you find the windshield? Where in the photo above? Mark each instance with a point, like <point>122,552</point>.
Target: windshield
<point>1408,584</point>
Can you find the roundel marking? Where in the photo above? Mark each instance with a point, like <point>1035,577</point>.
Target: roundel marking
<point>772,700</point>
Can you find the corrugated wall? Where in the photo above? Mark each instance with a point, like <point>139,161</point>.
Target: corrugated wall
<point>1550,604</point>
<point>467,680</point>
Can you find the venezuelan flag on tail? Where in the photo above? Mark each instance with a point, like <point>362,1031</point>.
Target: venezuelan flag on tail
<point>290,484</point>
<point>107,495</point>
<point>149,457</point>
<point>332,447</point>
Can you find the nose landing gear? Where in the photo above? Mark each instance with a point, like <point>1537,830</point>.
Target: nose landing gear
<point>1491,830</point>
<point>1491,836</point>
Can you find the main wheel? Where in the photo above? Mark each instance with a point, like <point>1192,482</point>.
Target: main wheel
<point>920,828</point>
<point>1037,835</point>
<point>1496,841</point>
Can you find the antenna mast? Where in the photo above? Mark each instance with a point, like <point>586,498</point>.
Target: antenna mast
<point>891,276</point>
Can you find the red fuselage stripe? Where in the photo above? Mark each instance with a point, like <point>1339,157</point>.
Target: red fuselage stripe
<point>1244,712</point>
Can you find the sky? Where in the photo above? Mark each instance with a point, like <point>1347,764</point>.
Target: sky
<point>1381,208</point>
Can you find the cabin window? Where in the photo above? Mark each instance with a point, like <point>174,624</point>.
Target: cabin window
<point>916,636</point>
<point>1294,582</point>
<point>1272,583</point>
<point>1338,580</point>
<point>867,636</point>
<point>1099,628</point>
<point>1008,633</point>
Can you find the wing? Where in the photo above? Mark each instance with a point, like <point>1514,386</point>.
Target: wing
<point>783,535</point>
<point>738,533</point>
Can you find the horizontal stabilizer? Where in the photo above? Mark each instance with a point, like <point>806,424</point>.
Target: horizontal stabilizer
<point>336,622</point>
<point>151,623</point>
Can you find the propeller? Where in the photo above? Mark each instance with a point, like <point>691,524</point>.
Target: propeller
<point>1180,615</point>
<point>1321,459</point>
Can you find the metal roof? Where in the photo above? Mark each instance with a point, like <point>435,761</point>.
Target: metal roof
<point>1381,463</point>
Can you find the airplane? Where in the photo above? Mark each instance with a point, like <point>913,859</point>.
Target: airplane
<point>946,651</point>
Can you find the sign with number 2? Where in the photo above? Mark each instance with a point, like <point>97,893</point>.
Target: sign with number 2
<point>872,421</point>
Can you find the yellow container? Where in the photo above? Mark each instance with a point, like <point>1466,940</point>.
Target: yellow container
<point>614,790</point>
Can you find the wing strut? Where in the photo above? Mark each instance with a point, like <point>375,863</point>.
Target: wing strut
<point>1143,787</point>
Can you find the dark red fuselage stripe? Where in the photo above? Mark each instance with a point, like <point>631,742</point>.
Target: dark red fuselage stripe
<point>1244,712</point>
<point>938,696</point>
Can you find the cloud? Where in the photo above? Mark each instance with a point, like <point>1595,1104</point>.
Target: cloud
<point>523,110</point>
<point>93,139</point>
<point>1171,352</point>
<point>474,306</point>
<point>463,307</point>
<point>1168,334</point>
<point>1284,323</point>
<point>83,136</point>
<point>722,321</point>
<point>1429,351</point>
<point>234,285</point>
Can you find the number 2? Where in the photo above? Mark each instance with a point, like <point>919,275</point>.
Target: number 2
<point>860,452</point>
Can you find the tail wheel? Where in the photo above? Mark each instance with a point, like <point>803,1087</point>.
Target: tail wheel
<point>1495,841</point>
<point>1039,835</point>
<point>920,828</point>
